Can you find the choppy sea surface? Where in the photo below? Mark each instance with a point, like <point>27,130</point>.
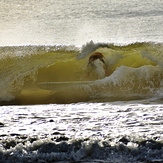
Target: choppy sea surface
<point>118,118</point>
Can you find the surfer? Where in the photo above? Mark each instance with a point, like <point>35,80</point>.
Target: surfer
<point>96,63</point>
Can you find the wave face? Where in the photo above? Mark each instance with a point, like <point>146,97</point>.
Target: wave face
<point>134,72</point>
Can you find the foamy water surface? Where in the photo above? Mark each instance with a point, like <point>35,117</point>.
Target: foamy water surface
<point>117,131</point>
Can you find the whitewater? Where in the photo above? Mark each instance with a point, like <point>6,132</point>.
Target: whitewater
<point>116,118</point>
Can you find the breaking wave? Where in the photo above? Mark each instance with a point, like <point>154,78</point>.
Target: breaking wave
<point>135,72</point>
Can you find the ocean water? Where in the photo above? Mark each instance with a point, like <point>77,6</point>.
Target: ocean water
<point>47,114</point>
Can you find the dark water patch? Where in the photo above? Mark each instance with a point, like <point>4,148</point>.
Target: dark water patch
<point>2,124</point>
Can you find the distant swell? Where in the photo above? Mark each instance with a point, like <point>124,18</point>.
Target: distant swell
<point>135,71</point>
